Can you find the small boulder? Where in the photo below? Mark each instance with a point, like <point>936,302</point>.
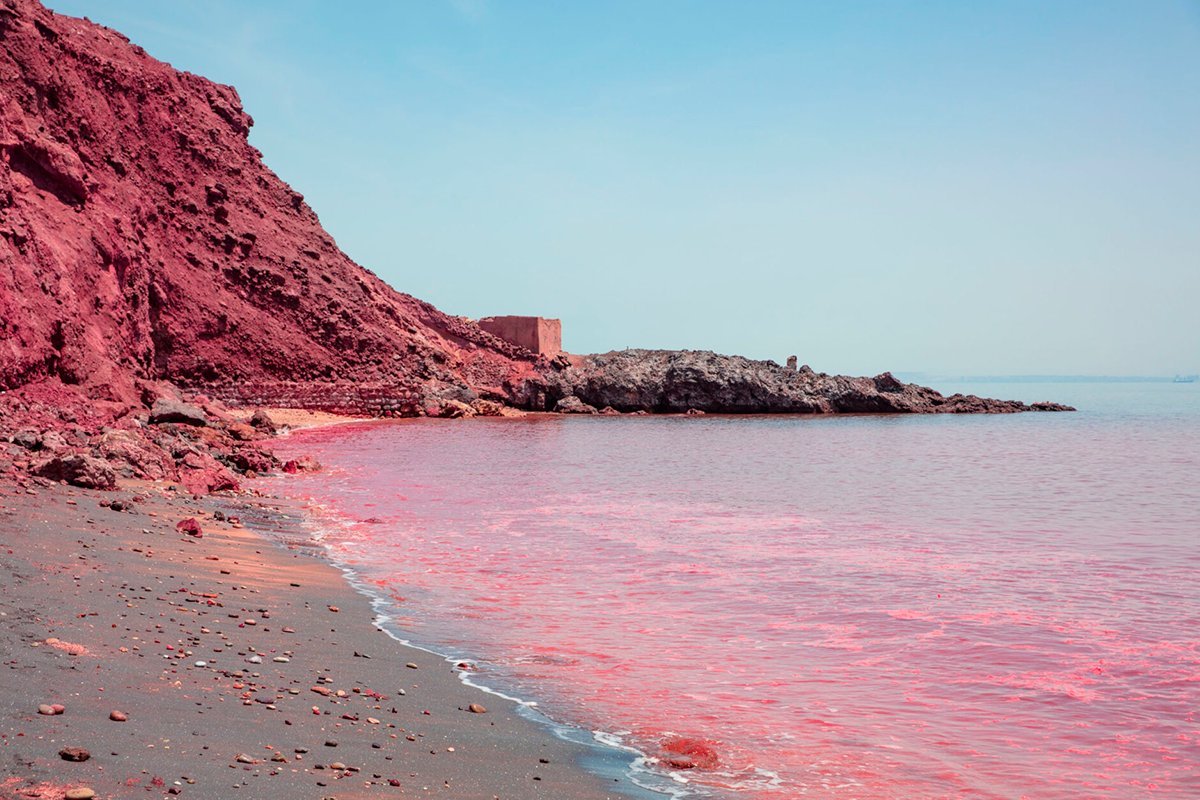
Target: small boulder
<point>262,420</point>
<point>28,438</point>
<point>302,464</point>
<point>573,405</point>
<point>189,526</point>
<point>243,432</point>
<point>455,409</point>
<point>165,410</point>
<point>74,754</point>
<point>78,470</point>
<point>487,408</point>
<point>685,752</point>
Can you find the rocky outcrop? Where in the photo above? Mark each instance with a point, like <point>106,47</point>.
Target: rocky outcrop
<point>91,445</point>
<point>143,237</point>
<point>678,381</point>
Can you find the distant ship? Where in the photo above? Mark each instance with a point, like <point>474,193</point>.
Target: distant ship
<point>1186,378</point>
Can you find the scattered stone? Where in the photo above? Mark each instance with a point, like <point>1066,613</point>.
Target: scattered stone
<point>74,754</point>
<point>573,405</point>
<point>190,526</point>
<point>165,410</point>
<point>82,793</point>
<point>118,716</point>
<point>242,758</point>
<point>685,752</point>
<point>476,708</point>
<point>46,710</point>
<point>302,464</point>
<point>411,665</point>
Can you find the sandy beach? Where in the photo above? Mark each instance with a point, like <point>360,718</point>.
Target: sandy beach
<point>227,665</point>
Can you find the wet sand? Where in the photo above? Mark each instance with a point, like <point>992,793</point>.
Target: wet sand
<point>244,668</point>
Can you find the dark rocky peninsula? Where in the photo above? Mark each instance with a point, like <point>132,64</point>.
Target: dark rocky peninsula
<point>678,381</point>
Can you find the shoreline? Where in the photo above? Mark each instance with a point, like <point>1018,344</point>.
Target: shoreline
<point>218,651</point>
<point>604,751</point>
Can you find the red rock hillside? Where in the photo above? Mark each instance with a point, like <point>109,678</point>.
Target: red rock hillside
<point>142,237</point>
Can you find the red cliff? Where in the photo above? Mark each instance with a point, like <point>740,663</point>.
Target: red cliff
<point>142,237</point>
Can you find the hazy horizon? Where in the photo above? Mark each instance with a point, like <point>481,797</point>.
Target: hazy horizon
<point>971,189</point>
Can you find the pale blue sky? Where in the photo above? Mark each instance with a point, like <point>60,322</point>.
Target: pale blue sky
<point>975,187</point>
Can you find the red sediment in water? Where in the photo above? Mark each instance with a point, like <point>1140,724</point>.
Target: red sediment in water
<point>857,608</point>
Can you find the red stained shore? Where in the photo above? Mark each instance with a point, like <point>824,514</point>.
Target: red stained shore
<point>107,610</point>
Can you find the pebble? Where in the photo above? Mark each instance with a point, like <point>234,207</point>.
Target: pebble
<point>118,716</point>
<point>82,793</point>
<point>411,665</point>
<point>201,663</point>
<point>254,660</point>
<point>46,710</point>
<point>242,758</point>
<point>475,708</point>
<point>281,659</point>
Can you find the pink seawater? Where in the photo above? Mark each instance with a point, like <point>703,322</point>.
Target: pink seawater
<point>867,607</point>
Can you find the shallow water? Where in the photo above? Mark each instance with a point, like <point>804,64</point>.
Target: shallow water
<point>868,607</point>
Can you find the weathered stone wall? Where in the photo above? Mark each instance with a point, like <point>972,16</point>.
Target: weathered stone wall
<point>384,400</point>
<point>536,334</point>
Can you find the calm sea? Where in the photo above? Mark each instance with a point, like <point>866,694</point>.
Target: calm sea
<point>866,607</point>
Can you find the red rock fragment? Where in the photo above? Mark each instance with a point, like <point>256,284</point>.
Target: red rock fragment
<point>685,752</point>
<point>190,526</point>
<point>74,754</point>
